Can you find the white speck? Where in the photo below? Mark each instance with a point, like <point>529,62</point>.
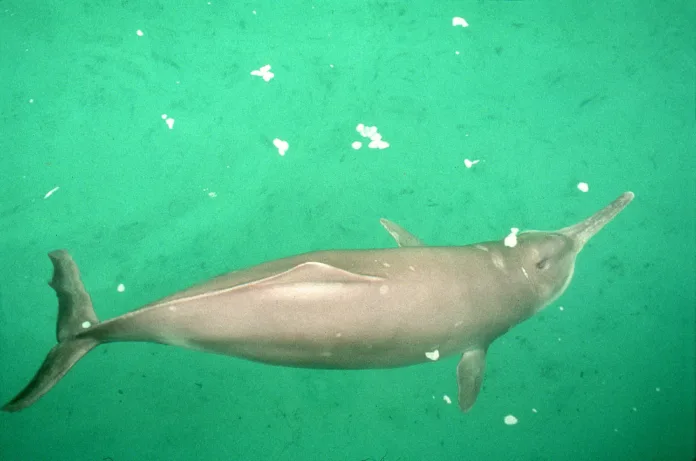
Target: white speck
<point>511,240</point>
<point>524,272</point>
<point>447,400</point>
<point>561,308</point>
<point>386,264</point>
<point>253,12</point>
<point>264,72</point>
<point>384,289</point>
<point>458,323</point>
<point>559,339</point>
<point>172,308</point>
<point>281,145</point>
<point>139,33</point>
<point>434,355</point>
<point>583,186</point>
<point>376,141</point>
<point>510,420</point>
<point>50,192</point>
<point>168,120</point>
<point>657,389</point>
<point>338,335</point>
<point>31,101</point>
<point>457,21</point>
<point>86,324</point>
<point>616,429</point>
<point>534,410</point>
<point>121,288</point>
<point>212,194</point>
<point>469,163</point>
<point>356,145</point>
<point>412,269</point>
<point>457,53</point>
<point>634,409</point>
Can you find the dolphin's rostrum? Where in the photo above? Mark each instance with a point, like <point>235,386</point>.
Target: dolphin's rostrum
<point>341,308</point>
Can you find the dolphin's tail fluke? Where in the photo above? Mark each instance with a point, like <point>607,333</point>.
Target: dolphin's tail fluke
<point>75,317</point>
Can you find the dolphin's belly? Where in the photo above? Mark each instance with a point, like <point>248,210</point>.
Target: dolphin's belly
<point>331,325</point>
<point>317,314</point>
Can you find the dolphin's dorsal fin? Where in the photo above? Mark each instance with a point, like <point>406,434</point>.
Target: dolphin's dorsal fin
<point>470,376</point>
<point>403,237</point>
<point>317,272</point>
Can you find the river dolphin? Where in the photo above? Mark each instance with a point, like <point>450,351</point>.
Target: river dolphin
<point>344,309</point>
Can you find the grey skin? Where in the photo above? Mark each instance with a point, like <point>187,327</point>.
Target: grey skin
<point>344,309</point>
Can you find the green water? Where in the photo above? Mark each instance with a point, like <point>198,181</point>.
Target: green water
<point>545,94</point>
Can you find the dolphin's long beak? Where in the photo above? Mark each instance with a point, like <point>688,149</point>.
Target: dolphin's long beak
<point>584,230</point>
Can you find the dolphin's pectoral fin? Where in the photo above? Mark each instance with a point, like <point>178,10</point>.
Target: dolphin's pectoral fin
<point>403,237</point>
<point>317,272</point>
<point>470,376</point>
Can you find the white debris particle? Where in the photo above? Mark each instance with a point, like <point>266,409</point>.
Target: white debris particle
<point>634,409</point>
<point>434,355</point>
<point>139,33</point>
<point>31,101</point>
<point>376,141</point>
<point>168,120</point>
<point>657,389</point>
<point>447,400</point>
<point>121,288</point>
<point>534,410</point>
<point>356,145</point>
<point>469,163</point>
<point>560,308</point>
<point>511,239</point>
<point>50,192</point>
<point>281,145</point>
<point>264,72</point>
<point>583,187</point>
<point>457,53</point>
<point>384,289</point>
<point>510,420</point>
<point>457,21</point>
<point>86,324</point>
<point>212,194</point>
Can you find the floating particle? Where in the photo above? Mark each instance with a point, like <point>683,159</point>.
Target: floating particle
<point>86,324</point>
<point>281,145</point>
<point>447,399</point>
<point>168,120</point>
<point>264,72</point>
<point>583,187</point>
<point>511,239</point>
<point>139,33</point>
<point>356,145</point>
<point>434,355</point>
<point>469,163</point>
<point>510,420</point>
<point>121,288</point>
<point>50,192</point>
<point>457,21</point>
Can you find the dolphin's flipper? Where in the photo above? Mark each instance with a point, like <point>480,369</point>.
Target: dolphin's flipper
<point>470,376</point>
<point>403,237</point>
<point>75,317</point>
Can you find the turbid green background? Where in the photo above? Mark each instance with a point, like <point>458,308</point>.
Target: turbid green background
<point>545,94</point>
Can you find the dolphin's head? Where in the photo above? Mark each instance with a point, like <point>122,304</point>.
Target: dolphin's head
<point>548,258</point>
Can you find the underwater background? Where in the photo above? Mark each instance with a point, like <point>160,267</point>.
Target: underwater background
<point>151,140</point>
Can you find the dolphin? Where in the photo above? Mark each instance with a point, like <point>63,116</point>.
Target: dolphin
<point>341,309</point>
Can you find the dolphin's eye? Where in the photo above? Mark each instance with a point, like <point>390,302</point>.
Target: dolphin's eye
<point>543,264</point>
